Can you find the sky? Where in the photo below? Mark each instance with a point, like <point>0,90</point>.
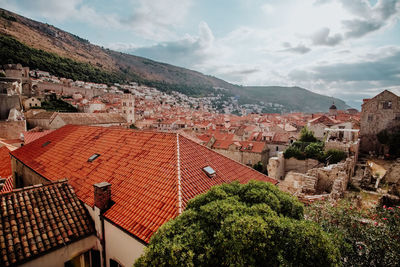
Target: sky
<point>348,49</point>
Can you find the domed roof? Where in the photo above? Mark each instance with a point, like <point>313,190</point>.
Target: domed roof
<point>333,106</point>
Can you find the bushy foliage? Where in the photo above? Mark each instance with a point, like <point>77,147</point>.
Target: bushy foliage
<point>315,151</point>
<point>307,135</point>
<point>294,152</point>
<point>258,166</point>
<point>57,105</point>
<point>391,138</point>
<point>241,225</point>
<point>334,156</point>
<point>364,237</point>
<point>13,51</point>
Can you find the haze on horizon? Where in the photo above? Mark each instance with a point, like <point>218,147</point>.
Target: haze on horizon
<point>345,49</point>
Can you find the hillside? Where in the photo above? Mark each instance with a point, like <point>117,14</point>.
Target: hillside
<point>46,47</point>
<point>293,97</point>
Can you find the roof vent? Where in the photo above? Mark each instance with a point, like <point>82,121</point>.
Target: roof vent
<point>46,143</point>
<point>209,171</point>
<point>93,157</point>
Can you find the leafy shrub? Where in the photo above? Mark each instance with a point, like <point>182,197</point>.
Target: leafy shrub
<point>365,237</point>
<point>315,151</point>
<point>334,156</point>
<point>241,225</point>
<point>294,152</point>
<point>391,138</point>
<point>307,135</point>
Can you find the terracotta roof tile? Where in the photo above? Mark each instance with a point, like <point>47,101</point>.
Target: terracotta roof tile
<point>141,166</point>
<point>31,136</point>
<point>37,219</point>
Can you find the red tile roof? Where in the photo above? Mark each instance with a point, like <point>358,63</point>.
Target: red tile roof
<point>31,136</point>
<point>37,219</point>
<point>5,170</point>
<point>5,162</point>
<point>149,186</point>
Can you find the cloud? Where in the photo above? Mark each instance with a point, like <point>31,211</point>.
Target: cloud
<point>382,70</point>
<point>299,49</point>
<point>368,18</point>
<point>184,52</point>
<point>321,37</point>
<point>56,10</point>
<point>156,19</point>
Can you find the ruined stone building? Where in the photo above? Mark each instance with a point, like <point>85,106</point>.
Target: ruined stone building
<point>381,112</point>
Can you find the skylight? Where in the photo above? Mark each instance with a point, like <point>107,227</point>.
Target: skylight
<point>209,171</point>
<point>46,143</point>
<point>93,157</point>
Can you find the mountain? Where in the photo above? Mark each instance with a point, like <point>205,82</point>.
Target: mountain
<point>43,46</point>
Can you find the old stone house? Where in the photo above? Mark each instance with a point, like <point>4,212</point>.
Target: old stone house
<point>246,152</point>
<point>31,102</point>
<point>131,182</point>
<point>378,113</point>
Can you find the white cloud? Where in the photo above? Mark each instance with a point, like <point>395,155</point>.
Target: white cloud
<point>156,19</point>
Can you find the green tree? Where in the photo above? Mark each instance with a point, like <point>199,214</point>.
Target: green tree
<point>241,225</point>
<point>334,156</point>
<point>307,135</point>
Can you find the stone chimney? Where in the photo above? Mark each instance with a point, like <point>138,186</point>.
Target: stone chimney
<point>102,195</point>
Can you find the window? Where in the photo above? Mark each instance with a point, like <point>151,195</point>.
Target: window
<point>114,263</point>
<point>124,104</point>
<point>90,258</point>
<point>387,104</point>
<point>370,117</point>
<point>18,180</point>
<point>130,104</point>
<point>277,148</point>
<point>30,104</point>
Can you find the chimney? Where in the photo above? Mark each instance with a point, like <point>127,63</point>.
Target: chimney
<point>102,195</point>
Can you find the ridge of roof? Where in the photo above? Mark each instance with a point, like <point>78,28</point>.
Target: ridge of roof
<point>178,166</point>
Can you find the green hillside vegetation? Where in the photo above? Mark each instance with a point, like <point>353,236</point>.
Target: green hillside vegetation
<point>13,51</point>
<point>295,97</point>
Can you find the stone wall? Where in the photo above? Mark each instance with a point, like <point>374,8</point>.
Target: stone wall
<point>297,183</point>
<point>301,166</point>
<point>12,129</point>
<point>7,103</point>
<point>276,167</point>
<point>69,90</point>
<point>24,176</point>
